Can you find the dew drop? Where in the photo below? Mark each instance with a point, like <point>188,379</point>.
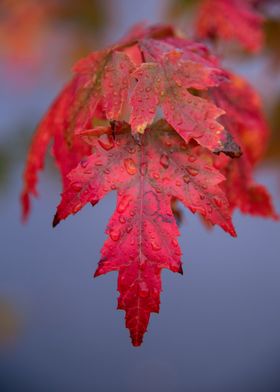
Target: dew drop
<point>156,175</point>
<point>192,158</point>
<point>76,208</point>
<point>123,204</point>
<point>114,234</point>
<point>76,186</point>
<point>192,171</point>
<point>129,228</point>
<point>164,161</point>
<point>143,289</point>
<point>131,149</point>
<point>143,168</point>
<point>88,171</point>
<point>203,211</point>
<point>130,167</point>
<point>106,141</point>
<point>168,143</point>
<point>155,246</point>
<point>122,219</point>
<point>186,179</point>
<point>218,202</point>
<point>84,163</point>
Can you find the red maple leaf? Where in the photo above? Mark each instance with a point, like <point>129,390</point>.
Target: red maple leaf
<point>142,232</point>
<point>53,127</point>
<point>246,122</point>
<point>146,118</point>
<point>231,20</point>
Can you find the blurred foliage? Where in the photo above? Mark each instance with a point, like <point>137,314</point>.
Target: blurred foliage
<point>29,27</point>
<point>9,324</point>
<point>176,7</point>
<point>274,147</point>
<point>270,9</point>
<point>272,33</point>
<point>4,165</point>
<point>32,34</point>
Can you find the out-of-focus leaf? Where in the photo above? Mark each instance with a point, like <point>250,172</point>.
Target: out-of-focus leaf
<point>274,145</point>
<point>28,27</point>
<point>9,324</point>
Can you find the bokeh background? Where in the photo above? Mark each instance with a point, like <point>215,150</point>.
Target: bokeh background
<point>219,325</point>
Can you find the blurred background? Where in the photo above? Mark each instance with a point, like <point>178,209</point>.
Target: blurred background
<point>219,325</point>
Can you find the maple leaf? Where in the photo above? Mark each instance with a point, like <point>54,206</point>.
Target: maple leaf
<point>52,127</point>
<point>231,20</point>
<point>167,82</point>
<point>106,80</point>
<point>163,78</point>
<point>141,118</point>
<point>142,232</point>
<point>244,193</point>
<point>245,120</point>
<point>104,86</point>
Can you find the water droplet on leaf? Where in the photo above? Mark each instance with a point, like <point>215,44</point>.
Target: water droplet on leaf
<point>76,208</point>
<point>122,219</point>
<point>164,161</point>
<point>218,202</point>
<point>114,234</point>
<point>143,289</point>
<point>106,141</point>
<point>155,246</point>
<point>192,158</point>
<point>76,186</point>
<point>143,168</point>
<point>123,204</point>
<point>130,166</point>
<point>129,228</point>
<point>192,171</point>
<point>84,163</point>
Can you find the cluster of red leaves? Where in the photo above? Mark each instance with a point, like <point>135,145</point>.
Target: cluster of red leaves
<point>231,20</point>
<point>154,118</point>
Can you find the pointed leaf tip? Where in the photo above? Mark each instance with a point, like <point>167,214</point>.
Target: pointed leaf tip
<point>180,270</point>
<point>56,220</point>
<point>25,206</point>
<point>136,343</point>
